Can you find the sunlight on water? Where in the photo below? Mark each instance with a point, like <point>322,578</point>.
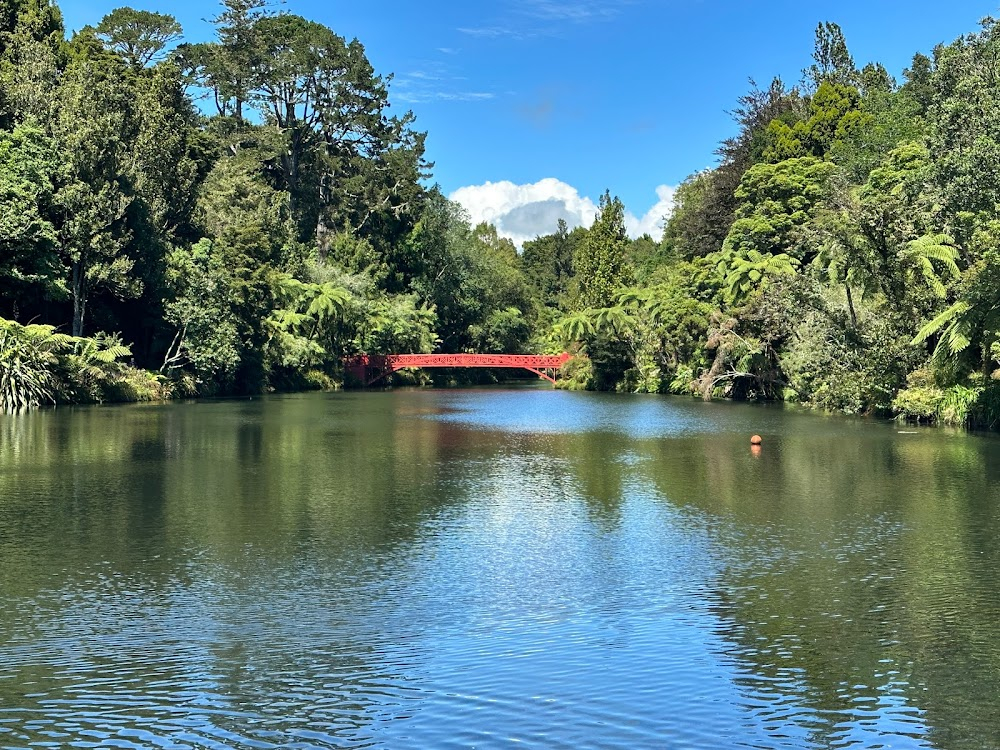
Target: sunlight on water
<point>487,568</point>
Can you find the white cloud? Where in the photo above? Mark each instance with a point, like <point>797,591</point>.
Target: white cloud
<point>654,219</point>
<point>523,212</point>
<point>576,11</point>
<point>435,83</point>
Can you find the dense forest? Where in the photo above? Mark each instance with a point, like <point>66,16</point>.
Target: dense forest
<point>237,216</point>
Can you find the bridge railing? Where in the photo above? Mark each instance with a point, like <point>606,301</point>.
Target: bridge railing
<point>369,368</point>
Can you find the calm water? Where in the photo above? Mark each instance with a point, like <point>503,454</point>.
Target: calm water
<point>492,569</point>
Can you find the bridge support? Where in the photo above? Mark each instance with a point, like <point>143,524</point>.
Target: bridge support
<point>370,368</point>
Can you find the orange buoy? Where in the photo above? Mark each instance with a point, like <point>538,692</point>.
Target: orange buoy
<point>756,440</point>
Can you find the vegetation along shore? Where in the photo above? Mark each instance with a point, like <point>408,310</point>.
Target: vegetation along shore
<point>237,216</point>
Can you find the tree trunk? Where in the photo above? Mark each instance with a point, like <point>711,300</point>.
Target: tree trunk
<point>322,236</point>
<point>79,297</point>
<point>707,384</point>
<point>322,229</point>
<point>850,307</point>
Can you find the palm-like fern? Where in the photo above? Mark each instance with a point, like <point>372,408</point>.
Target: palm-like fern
<point>575,327</point>
<point>28,357</point>
<point>94,363</point>
<point>751,269</point>
<point>923,256</point>
<point>973,318</point>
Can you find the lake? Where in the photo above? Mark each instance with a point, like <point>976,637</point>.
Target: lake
<point>495,568</point>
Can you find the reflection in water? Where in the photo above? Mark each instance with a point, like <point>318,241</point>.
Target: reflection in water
<point>473,568</point>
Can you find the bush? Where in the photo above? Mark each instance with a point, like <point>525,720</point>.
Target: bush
<point>39,366</point>
<point>29,356</point>
<point>919,403</point>
<point>960,405</point>
<point>577,374</point>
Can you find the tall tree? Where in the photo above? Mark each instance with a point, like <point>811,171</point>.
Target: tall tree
<point>548,263</point>
<point>228,67</point>
<point>29,264</point>
<point>601,259</point>
<point>139,36</point>
<point>831,59</point>
<point>94,126</point>
<point>965,132</point>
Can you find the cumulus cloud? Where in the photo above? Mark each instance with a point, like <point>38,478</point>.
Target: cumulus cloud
<point>523,212</point>
<point>654,219</point>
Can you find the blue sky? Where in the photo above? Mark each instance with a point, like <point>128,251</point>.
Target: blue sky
<point>553,101</point>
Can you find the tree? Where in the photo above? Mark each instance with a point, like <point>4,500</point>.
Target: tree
<point>40,20</point>
<point>751,270</point>
<point>346,165</point>
<point>228,66</point>
<point>28,359</point>
<point>601,259</point>
<point>227,285</point>
<point>29,263</point>
<point>693,228</point>
<point>965,134</point>
<point>139,36</point>
<point>714,204</point>
<point>833,115</point>
<point>970,326</point>
<point>875,79</point>
<point>548,263</point>
<point>832,61</point>
<point>32,54</point>
<point>95,124</point>
<point>919,84</point>
<point>777,200</point>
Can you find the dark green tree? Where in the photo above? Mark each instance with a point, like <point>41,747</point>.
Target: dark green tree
<point>139,36</point>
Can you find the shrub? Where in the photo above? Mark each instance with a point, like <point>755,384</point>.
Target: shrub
<point>29,356</point>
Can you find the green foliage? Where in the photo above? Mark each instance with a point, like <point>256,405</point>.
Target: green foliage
<point>693,229</point>
<point>974,405</point>
<point>600,261</point>
<point>919,403</point>
<point>29,263</point>
<point>750,270</point>
<point>920,255</point>
<point>856,370</point>
<point>139,36</point>
<point>965,118</point>
<point>832,62</point>
<point>834,115</point>
<point>28,359</point>
<point>40,366</point>
<point>547,263</point>
<point>887,118</point>
<point>968,329</point>
<point>92,367</point>
<point>777,199</point>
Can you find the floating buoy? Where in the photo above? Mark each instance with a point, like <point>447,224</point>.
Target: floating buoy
<point>756,440</point>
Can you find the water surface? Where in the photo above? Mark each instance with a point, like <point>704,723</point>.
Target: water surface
<point>491,569</point>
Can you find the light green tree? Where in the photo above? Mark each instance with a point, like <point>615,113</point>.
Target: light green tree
<point>601,262</point>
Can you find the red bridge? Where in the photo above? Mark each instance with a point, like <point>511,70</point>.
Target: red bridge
<point>370,368</point>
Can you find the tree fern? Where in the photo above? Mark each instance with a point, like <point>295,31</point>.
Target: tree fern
<point>748,270</point>
<point>922,254</point>
<point>28,358</point>
<point>575,327</point>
